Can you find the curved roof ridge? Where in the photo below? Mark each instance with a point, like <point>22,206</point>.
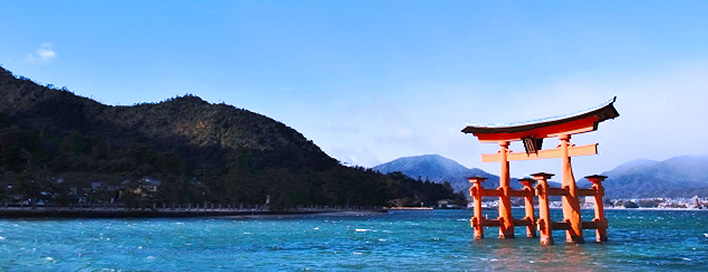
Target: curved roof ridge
<point>544,120</point>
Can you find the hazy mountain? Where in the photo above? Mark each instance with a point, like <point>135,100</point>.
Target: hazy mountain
<point>439,169</point>
<point>433,167</point>
<point>683,176</point>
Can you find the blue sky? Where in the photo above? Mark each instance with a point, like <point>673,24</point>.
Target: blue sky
<point>371,81</point>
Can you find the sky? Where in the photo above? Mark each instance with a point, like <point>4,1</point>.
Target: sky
<point>372,81</point>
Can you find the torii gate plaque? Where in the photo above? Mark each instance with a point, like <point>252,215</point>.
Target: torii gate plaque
<point>532,134</point>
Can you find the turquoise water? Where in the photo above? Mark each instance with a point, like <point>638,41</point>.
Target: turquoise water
<point>404,241</point>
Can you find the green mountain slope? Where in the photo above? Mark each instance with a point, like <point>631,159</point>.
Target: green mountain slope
<point>55,142</point>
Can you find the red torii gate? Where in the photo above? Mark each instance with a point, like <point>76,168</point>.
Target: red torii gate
<point>532,134</point>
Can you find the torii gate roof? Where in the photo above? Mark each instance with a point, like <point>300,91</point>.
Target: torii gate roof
<point>574,123</point>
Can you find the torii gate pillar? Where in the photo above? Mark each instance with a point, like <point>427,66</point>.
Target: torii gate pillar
<point>506,221</point>
<point>544,213</point>
<point>599,220</point>
<point>571,205</point>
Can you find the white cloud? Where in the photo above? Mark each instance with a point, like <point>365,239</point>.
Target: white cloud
<point>43,54</point>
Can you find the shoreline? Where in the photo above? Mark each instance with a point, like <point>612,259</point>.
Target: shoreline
<point>89,213</point>
<point>618,208</point>
<point>657,209</point>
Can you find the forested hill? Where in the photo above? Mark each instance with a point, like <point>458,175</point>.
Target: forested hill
<point>55,141</point>
<point>180,123</point>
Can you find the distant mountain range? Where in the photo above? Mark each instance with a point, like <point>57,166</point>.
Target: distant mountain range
<point>683,176</point>
<point>439,169</point>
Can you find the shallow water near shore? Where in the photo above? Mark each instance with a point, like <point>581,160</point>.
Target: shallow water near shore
<point>404,240</point>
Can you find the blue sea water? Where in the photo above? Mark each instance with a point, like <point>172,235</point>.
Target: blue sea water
<point>440,240</point>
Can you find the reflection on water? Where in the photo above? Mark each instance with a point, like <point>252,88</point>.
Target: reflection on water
<point>406,241</point>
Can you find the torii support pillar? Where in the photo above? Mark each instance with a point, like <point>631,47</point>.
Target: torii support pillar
<point>544,215</point>
<point>528,205</point>
<point>571,205</point>
<point>506,227</point>
<point>476,194</point>
<point>599,220</point>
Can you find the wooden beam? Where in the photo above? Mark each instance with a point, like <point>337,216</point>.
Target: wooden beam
<point>491,192</point>
<point>595,224</point>
<point>523,222</point>
<point>560,225</point>
<point>520,193</point>
<point>584,150</point>
<point>490,222</point>
<point>557,192</point>
<point>585,192</point>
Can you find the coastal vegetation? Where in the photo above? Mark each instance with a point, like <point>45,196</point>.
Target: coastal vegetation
<point>57,148</point>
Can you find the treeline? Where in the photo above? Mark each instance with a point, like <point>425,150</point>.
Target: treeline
<point>42,168</point>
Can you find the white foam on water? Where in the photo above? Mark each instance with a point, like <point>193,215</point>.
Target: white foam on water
<point>382,240</point>
<point>362,230</point>
<point>357,253</point>
<point>686,259</point>
<point>317,228</point>
<point>49,258</point>
<point>2,238</point>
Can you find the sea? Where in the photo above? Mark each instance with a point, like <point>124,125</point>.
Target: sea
<point>439,240</point>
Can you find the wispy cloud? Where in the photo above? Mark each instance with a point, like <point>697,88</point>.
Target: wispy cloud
<point>43,54</point>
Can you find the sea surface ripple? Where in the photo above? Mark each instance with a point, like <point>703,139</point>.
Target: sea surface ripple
<point>440,240</point>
